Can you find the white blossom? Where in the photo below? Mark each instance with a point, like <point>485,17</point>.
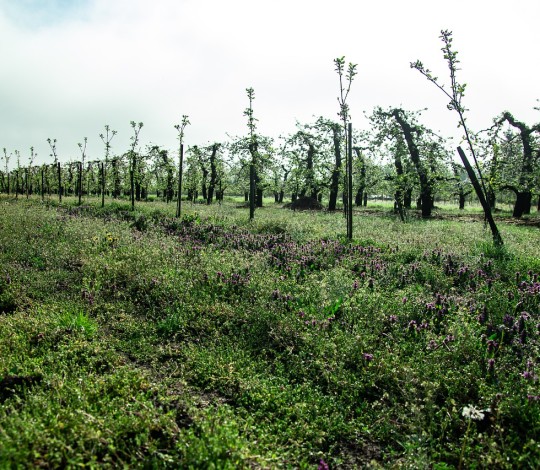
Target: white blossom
<point>471,412</point>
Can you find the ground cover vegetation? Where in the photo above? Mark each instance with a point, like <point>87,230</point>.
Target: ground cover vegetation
<point>137,338</point>
<point>144,324</point>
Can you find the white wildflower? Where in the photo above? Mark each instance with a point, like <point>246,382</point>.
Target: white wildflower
<point>471,412</point>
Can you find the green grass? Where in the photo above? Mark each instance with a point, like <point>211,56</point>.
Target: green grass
<point>134,339</point>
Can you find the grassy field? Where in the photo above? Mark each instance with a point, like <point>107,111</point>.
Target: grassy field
<point>136,339</point>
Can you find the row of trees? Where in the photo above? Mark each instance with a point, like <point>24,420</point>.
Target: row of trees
<point>398,157</point>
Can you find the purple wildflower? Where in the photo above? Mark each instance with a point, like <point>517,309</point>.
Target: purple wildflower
<point>449,339</point>
<point>508,320</point>
<point>481,317</point>
<point>323,465</point>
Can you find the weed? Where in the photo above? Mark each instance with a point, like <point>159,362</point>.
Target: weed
<point>77,321</point>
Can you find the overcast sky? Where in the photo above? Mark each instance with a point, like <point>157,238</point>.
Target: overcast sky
<point>68,67</point>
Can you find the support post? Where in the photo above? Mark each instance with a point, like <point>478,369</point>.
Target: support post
<point>180,168</point>
<point>349,184</point>
<point>79,165</point>
<point>59,173</point>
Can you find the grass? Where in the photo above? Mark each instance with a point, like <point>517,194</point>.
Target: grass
<point>138,340</point>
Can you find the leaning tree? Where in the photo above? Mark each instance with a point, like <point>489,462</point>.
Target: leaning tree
<point>455,94</point>
<point>414,142</point>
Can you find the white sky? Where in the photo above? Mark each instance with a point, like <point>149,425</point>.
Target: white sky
<point>70,67</point>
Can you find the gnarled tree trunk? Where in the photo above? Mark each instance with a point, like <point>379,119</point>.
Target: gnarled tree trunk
<point>336,172</point>
<point>426,190</point>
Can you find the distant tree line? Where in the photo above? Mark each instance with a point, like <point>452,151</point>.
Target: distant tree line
<point>397,158</point>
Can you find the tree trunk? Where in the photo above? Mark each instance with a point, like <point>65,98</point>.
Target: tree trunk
<point>59,173</point>
<point>204,190</point>
<point>425,186</point>
<point>169,191</point>
<point>523,204</point>
<point>362,179</point>
<point>213,174</point>
<point>526,177</point>
<point>336,172</point>
<point>349,183</point>
<point>102,168</point>
<point>310,176</point>
<point>461,200</point>
<point>491,198</point>
<point>398,204</point>
<point>79,184</point>
<point>132,181</point>
<point>116,177</point>
<point>407,198</point>
<point>359,197</point>
<point>252,190</point>
<point>180,175</point>
<point>285,177</point>
<point>252,179</point>
<point>497,239</point>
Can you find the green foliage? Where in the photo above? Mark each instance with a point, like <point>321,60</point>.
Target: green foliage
<point>346,76</point>
<point>78,321</point>
<point>140,223</point>
<point>209,341</point>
